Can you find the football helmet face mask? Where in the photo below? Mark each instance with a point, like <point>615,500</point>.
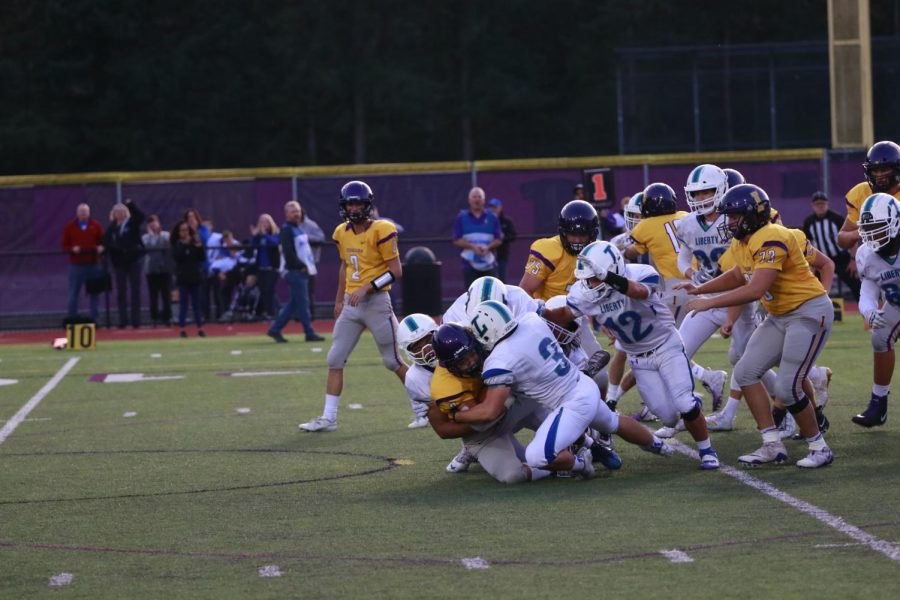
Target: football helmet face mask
<point>703,179</point>
<point>883,157</point>
<point>747,208</point>
<point>458,350</point>
<point>596,260</point>
<point>659,199</point>
<point>566,337</point>
<point>632,211</point>
<point>879,221</point>
<point>734,177</point>
<point>491,322</point>
<point>578,218</point>
<point>413,329</point>
<point>355,192</point>
<point>482,290</point>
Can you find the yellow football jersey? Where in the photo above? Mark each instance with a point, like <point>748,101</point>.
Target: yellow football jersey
<point>549,262</point>
<point>809,251</point>
<point>776,247</point>
<point>855,198</point>
<point>657,235</point>
<point>365,254</point>
<point>446,387</point>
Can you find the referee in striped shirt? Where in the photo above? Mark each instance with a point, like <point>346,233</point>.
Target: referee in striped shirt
<point>821,228</point>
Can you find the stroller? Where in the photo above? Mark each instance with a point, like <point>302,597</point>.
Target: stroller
<point>245,303</point>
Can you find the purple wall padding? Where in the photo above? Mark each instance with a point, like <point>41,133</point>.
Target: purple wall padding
<point>424,204</point>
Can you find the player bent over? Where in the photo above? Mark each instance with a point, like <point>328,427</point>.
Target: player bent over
<point>519,357</point>
<point>770,266</point>
<point>876,259</point>
<point>370,262</point>
<point>624,298</point>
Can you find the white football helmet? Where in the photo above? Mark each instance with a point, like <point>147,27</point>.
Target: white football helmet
<point>706,177</point>
<point>482,290</point>
<point>567,338</point>
<point>596,260</point>
<point>632,211</point>
<point>879,220</point>
<point>492,321</point>
<point>413,328</point>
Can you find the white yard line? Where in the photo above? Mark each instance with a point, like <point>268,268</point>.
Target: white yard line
<point>878,545</point>
<point>36,399</point>
<point>677,556</point>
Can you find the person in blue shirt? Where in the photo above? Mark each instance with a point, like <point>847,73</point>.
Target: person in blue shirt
<point>477,231</point>
<point>267,258</point>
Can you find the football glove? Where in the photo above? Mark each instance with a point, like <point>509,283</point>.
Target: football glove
<point>876,319</point>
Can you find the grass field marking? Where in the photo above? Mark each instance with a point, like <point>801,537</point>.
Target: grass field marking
<point>61,579</point>
<point>677,556</point>
<point>475,563</point>
<point>36,399</point>
<point>8,382</point>
<point>269,571</point>
<point>129,414</point>
<point>878,545</point>
<point>847,545</point>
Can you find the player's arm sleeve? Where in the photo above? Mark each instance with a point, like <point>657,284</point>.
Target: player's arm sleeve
<point>538,265</point>
<point>497,376</point>
<point>869,294</point>
<point>638,246</point>
<point>387,242</point>
<point>771,255</point>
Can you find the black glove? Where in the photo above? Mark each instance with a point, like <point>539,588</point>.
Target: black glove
<point>595,364</point>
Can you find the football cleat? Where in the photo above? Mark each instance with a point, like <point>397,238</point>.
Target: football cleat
<point>318,424</point>
<point>788,426</point>
<point>709,460</point>
<point>460,462</point>
<point>659,447</point>
<point>768,453</point>
<point>875,414</point>
<point>603,452</point>
<point>719,422</point>
<point>816,459</point>
<point>820,377</point>
<point>714,382</point>
<point>588,472</point>
<point>418,423</point>
<point>644,415</point>
<point>669,432</point>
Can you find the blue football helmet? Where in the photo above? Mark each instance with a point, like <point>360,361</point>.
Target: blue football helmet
<point>735,177</point>
<point>356,191</point>
<point>659,199</point>
<point>881,155</point>
<point>458,350</point>
<point>751,203</point>
<point>578,217</point>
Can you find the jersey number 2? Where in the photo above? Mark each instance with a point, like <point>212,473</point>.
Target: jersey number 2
<point>629,317</point>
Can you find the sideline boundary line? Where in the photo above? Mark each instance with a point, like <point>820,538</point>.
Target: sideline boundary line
<point>36,399</point>
<point>878,545</point>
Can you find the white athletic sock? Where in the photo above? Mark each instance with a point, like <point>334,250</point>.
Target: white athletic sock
<point>698,371</point>
<point>704,444</point>
<point>770,434</point>
<point>331,406</point>
<point>817,442</point>
<point>614,393</point>
<point>731,407</point>
<point>881,390</point>
<point>537,474</point>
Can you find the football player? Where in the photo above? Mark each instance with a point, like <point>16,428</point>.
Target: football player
<point>520,357</point>
<point>414,336</point>
<point>455,388</point>
<point>625,298</point>
<point>771,267</point>
<point>879,230</point>
<point>370,263</point>
<point>882,170</point>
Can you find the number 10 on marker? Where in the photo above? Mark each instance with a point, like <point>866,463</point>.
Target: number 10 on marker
<point>81,336</point>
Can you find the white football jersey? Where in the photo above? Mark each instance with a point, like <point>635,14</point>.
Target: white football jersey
<point>418,384</point>
<point>879,271</point>
<point>517,299</point>
<point>638,325</point>
<point>531,362</point>
<point>704,241</point>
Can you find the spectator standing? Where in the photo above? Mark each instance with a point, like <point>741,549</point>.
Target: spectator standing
<point>267,258</point>
<point>158,270</point>
<point>578,192</point>
<point>189,255</point>
<point>477,232</point>
<point>316,241</point>
<point>509,235</point>
<point>82,240</point>
<point>821,228</point>
<point>125,249</point>
<point>299,264</point>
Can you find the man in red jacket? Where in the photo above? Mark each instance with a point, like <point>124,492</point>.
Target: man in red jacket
<point>82,239</point>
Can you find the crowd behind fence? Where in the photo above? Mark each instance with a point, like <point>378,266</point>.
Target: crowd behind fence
<point>425,204</point>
